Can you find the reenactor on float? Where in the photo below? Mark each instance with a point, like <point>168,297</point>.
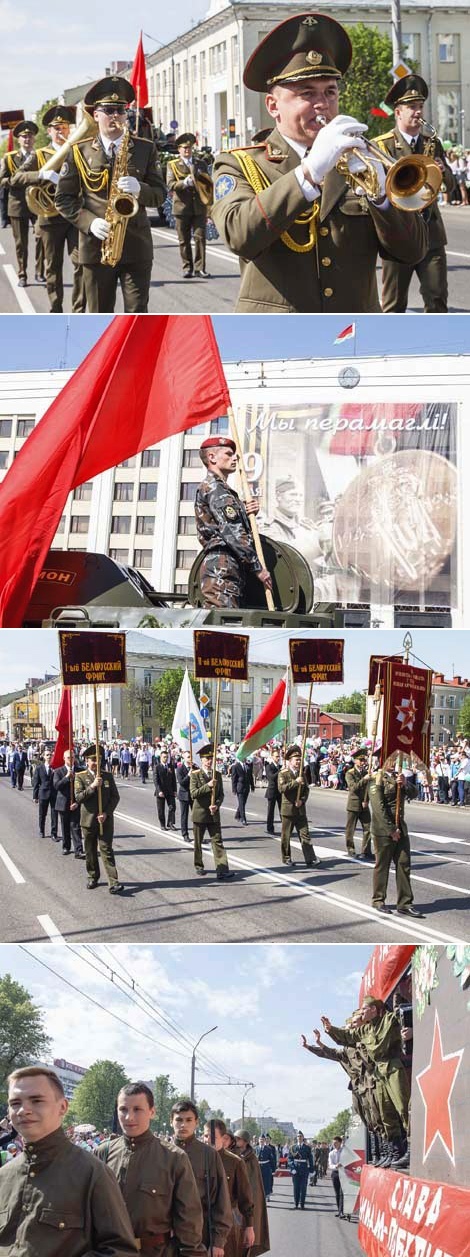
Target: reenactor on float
<point>187,176</point>
<point>357,808</point>
<point>206,814</point>
<point>97,826</point>
<point>223,529</point>
<point>407,97</point>
<point>292,786</point>
<point>307,242</point>
<point>391,840</point>
<point>18,212</point>
<point>54,230</point>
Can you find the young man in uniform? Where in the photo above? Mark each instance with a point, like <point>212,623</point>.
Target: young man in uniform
<point>209,1174</point>
<point>97,826</point>
<point>189,209</point>
<point>260,1216</point>
<point>292,786</point>
<point>223,529</point>
<point>391,840</point>
<point>357,808</point>
<point>242,1235</point>
<point>17,209</point>
<point>206,814</point>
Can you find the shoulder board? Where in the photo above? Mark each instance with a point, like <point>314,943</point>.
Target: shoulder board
<point>249,148</point>
<point>141,138</point>
<point>388,135</point>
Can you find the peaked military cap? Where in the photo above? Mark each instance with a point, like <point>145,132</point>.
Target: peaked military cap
<point>25,128</point>
<point>218,442</point>
<point>407,91</point>
<point>58,113</point>
<point>284,483</point>
<point>113,90</point>
<point>293,750</point>
<point>305,46</point>
<point>206,752</point>
<point>90,751</point>
<point>186,138</point>
<point>361,752</point>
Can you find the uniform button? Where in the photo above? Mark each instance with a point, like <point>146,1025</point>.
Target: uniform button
<point>61,1226</point>
<point>154,1191</point>
<point>32,1174</point>
<point>327,292</point>
<point>324,231</point>
<point>326,261</point>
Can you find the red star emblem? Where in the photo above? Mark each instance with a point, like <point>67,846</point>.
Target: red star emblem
<point>436,1084</point>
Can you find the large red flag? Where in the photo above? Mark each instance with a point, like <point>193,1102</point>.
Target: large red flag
<point>147,378</point>
<point>138,76</point>
<point>64,728</point>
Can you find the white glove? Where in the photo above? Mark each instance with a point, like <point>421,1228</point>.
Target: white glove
<point>127,183</point>
<point>50,176</point>
<point>333,140</point>
<point>100,228</point>
<point>356,166</point>
<point>189,181</point>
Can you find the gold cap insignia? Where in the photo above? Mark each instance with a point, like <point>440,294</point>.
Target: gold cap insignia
<point>314,57</point>
<point>309,21</point>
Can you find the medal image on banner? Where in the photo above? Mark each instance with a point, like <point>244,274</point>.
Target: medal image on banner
<point>317,659</point>
<point>220,655</point>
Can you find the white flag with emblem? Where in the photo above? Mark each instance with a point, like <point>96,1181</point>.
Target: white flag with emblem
<point>187,720</point>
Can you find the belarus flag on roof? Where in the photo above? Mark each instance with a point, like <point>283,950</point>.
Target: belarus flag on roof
<point>346,334</point>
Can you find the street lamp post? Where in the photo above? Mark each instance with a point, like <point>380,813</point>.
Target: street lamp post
<point>193,1059</point>
<point>250,1087</point>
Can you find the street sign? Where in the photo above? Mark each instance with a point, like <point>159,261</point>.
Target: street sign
<point>204,712</point>
<point>174,126</point>
<point>204,700</point>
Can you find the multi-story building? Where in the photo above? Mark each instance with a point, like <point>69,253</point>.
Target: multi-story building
<point>70,1075</point>
<point>446,700</point>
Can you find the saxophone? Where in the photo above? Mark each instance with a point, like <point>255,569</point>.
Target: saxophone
<point>120,208</point>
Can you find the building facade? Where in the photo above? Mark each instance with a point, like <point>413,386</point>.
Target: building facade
<point>446,701</point>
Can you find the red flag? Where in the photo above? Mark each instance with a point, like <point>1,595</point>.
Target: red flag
<point>64,728</point>
<point>407,711</point>
<point>147,378</point>
<point>138,77</point>
<point>10,141</point>
<point>348,333</point>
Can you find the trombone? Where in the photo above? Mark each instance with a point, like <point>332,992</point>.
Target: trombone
<point>412,182</point>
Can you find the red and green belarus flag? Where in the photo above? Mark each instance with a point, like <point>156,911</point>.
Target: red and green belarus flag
<point>271,720</point>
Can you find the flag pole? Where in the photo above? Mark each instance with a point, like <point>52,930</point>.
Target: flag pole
<point>286,730</point>
<point>304,741</point>
<point>407,644</point>
<point>377,704</point>
<point>98,757</point>
<point>137,103</point>
<point>72,758</point>
<point>216,738</point>
<point>248,494</point>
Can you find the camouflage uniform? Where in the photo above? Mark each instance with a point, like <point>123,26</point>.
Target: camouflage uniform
<point>224,532</point>
<point>293,815</point>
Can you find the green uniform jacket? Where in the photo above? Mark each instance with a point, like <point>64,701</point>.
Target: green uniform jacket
<point>201,793</point>
<point>357,790</point>
<point>10,165</point>
<point>186,201</point>
<point>81,205</point>
<point>382,796</point>
<point>241,1200</point>
<point>202,1156</point>
<point>159,1189</point>
<point>381,1039</point>
<point>28,177</point>
<point>287,786</point>
<point>339,273</point>
<point>88,798</point>
<point>394,143</point>
<point>56,1200</point>
<point>260,1217</point>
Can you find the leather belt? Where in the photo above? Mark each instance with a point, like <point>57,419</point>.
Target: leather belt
<point>148,1242</point>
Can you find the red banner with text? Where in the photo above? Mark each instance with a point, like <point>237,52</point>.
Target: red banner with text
<point>407,1217</point>
<point>407,699</point>
<point>386,966</point>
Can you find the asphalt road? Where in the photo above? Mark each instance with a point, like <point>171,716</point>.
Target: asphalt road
<point>44,893</point>
<point>314,1230</point>
<point>171,294</point>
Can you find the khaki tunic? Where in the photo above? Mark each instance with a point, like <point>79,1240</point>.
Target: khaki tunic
<point>241,1199</point>
<point>56,1200</point>
<point>186,201</point>
<point>81,205</point>
<point>260,1216</point>
<point>55,232</point>
<point>339,272</point>
<point>211,1182</point>
<point>160,1192</point>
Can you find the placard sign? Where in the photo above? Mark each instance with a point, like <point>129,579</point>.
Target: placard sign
<point>376,663</point>
<point>317,659</point>
<point>220,655</point>
<point>93,658</point>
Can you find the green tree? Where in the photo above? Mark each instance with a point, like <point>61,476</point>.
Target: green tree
<point>338,1128</point>
<point>251,1125</point>
<point>464,717</point>
<point>166,1096</point>
<point>95,1097</point>
<point>165,696</point>
<point>22,1035</point>
<point>42,137</point>
<point>354,702</point>
<point>137,698</point>
<point>277,1135</point>
<point>369,78</point>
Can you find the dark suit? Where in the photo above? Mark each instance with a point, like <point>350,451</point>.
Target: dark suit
<point>44,794</point>
<point>165,784</point>
<point>242,783</point>
<point>69,820</point>
<point>80,199</point>
<point>183,775</point>
<point>18,766</point>
<point>272,793</point>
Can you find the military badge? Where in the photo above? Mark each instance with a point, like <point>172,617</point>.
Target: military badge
<point>314,57</point>
<point>231,512</point>
<point>224,184</point>
<point>64,169</point>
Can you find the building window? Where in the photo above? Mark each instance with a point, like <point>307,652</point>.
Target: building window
<point>450,700</point>
<point>247,686</point>
<point>267,685</point>
<point>128,462</point>
<point>441,720</point>
<point>5,427</point>
<point>191,458</point>
<point>411,46</point>
<point>194,67</point>
<point>148,492</point>
<point>202,62</point>
<point>25,427</point>
<point>143,558</point>
<point>124,491</point>
<point>151,458</point>
<point>147,678</point>
<point>181,589</point>
<point>234,49</point>
<point>145,525</point>
<point>119,556</point>
<point>121,523</point>
<point>219,426</point>
<point>187,525</point>
<point>61,524</point>
<point>245,720</point>
<point>226,686</point>
<point>83,492</point>
<point>185,559</point>
<point>3,458</point>
<point>79,523</point>
<point>188,492</point>
<point>446,48</point>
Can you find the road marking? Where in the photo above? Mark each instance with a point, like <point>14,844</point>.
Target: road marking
<point>415,930</point>
<point>452,253</point>
<point>218,251</point>
<point>460,842</point>
<point>51,929</point>
<point>22,298</point>
<point>15,873</point>
<point>2,250</point>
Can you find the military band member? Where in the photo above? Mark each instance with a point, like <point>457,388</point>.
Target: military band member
<point>87,795</point>
<point>306,241</point>
<point>407,97</point>
<point>293,814</point>
<point>357,808</point>
<point>223,529</point>
<point>55,1199</point>
<point>55,231</point>
<point>18,212</point>
<point>209,1174</point>
<point>206,815</point>
<point>189,209</point>
<point>391,841</point>
<point>82,196</point>
<point>156,1181</point>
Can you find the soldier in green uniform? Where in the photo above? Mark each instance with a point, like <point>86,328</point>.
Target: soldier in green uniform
<point>209,1174</point>
<point>307,242</point>
<point>356,805</point>
<point>293,814</point>
<point>87,786</point>
<point>18,212</point>
<point>242,1235</point>
<point>223,529</point>
<point>156,1181</point>
<point>83,192</point>
<point>55,231</point>
<point>260,1216</point>
<point>391,841</point>
<point>55,1199</point>
<point>190,211</point>
<point>407,97</point>
<point>206,815</point>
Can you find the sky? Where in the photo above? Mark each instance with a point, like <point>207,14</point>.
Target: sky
<point>26,653</point>
<point>238,989</point>
<point>64,341</point>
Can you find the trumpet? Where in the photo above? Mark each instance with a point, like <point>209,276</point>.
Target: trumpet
<point>412,182</point>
